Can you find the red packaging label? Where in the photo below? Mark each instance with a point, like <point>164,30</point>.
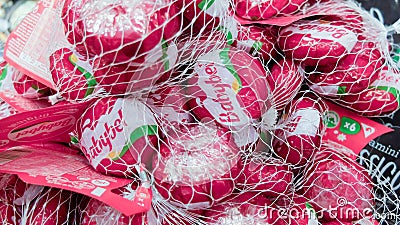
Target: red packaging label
<point>29,46</point>
<point>69,170</point>
<point>348,129</point>
<point>49,124</point>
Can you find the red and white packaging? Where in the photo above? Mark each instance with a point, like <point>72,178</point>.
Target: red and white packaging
<point>31,43</point>
<point>284,81</point>
<point>353,74</point>
<point>300,130</point>
<point>382,97</point>
<point>72,76</point>
<point>130,77</point>
<point>15,101</point>
<point>113,140</point>
<point>372,102</point>
<point>260,41</point>
<point>228,86</point>
<point>122,31</point>
<point>28,87</point>
<point>32,125</point>
<point>265,175</point>
<point>170,105</point>
<point>203,13</point>
<point>19,92</point>
<point>317,42</point>
<point>258,10</point>
<point>293,6</point>
<point>349,129</point>
<point>55,165</point>
<point>197,166</point>
<point>190,48</point>
<point>338,186</point>
<point>244,208</point>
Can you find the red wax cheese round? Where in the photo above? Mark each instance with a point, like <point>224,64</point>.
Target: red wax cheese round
<point>204,13</point>
<point>382,97</point>
<point>285,81</point>
<point>119,31</point>
<point>72,77</point>
<point>354,73</point>
<point>29,87</point>
<point>228,86</point>
<point>190,49</point>
<point>316,42</point>
<point>115,134</point>
<point>258,41</point>
<point>126,78</point>
<point>265,174</point>
<point>373,101</point>
<point>300,132</point>
<point>170,105</point>
<point>338,186</point>
<point>197,166</point>
<point>258,10</point>
<point>293,6</point>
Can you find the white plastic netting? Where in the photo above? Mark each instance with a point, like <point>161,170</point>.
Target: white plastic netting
<point>23,203</point>
<point>222,105</point>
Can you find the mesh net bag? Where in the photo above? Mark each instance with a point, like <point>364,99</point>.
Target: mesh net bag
<point>23,203</point>
<point>219,108</point>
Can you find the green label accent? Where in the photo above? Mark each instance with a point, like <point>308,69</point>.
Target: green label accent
<point>74,140</point>
<point>224,55</point>
<point>205,4</point>
<point>165,54</point>
<point>309,206</point>
<point>90,80</point>
<point>341,90</point>
<point>228,34</point>
<point>392,90</point>
<point>3,73</point>
<point>257,46</point>
<point>40,91</point>
<point>396,57</point>
<point>139,132</point>
<point>349,126</point>
<point>264,137</point>
<point>331,119</point>
<point>313,215</point>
